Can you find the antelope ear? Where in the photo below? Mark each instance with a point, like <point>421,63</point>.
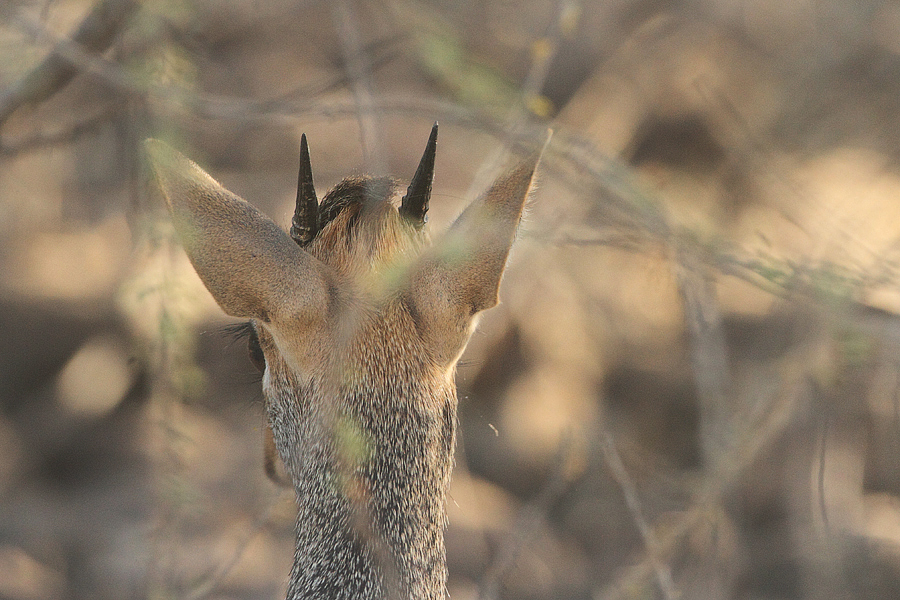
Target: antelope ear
<point>460,275</point>
<point>249,264</point>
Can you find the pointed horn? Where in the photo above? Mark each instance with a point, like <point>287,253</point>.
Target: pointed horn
<point>415,203</point>
<point>305,224</point>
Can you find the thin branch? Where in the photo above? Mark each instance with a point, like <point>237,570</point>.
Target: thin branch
<point>213,580</point>
<point>43,139</point>
<point>896,403</point>
<point>527,523</point>
<point>580,157</point>
<point>543,53</point>
<point>756,436</point>
<point>709,355</point>
<point>360,74</point>
<point>545,49</point>
<point>94,35</point>
<point>610,238</point>
<point>820,475</point>
<point>578,162</point>
<point>633,502</point>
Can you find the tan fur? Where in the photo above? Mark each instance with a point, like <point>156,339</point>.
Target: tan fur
<point>361,331</point>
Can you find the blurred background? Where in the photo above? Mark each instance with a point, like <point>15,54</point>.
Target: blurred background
<point>691,388</point>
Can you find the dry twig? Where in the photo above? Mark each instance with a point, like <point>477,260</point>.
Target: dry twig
<point>95,35</point>
<point>633,502</point>
<point>359,72</point>
<point>527,523</point>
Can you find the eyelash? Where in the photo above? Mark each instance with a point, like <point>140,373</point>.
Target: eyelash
<point>255,350</point>
<point>246,330</point>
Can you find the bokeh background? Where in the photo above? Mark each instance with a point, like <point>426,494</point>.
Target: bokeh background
<point>691,388</point>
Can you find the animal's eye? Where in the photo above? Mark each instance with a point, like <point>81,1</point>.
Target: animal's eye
<point>256,354</point>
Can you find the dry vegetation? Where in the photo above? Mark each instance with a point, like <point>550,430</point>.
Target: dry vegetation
<point>691,389</point>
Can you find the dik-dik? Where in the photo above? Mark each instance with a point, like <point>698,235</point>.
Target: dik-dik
<point>357,322</point>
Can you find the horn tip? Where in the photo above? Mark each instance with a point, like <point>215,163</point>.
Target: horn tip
<point>432,139</point>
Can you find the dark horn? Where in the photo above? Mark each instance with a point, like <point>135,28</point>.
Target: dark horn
<point>415,203</point>
<point>305,224</point>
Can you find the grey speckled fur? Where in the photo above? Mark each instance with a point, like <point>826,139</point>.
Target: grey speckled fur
<point>360,330</point>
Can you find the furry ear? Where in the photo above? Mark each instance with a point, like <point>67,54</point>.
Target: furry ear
<point>251,266</point>
<point>460,275</point>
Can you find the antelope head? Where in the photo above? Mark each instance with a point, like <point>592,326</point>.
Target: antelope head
<point>357,324</point>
